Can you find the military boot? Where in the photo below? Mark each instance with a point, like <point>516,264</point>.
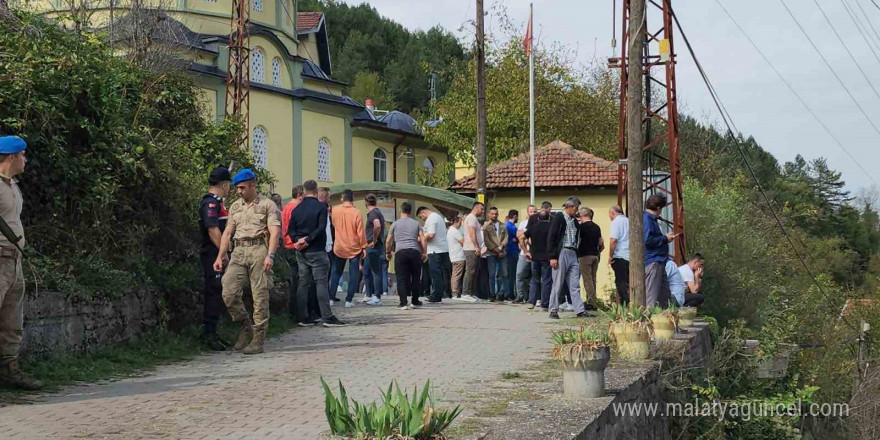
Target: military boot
<point>12,377</point>
<point>213,342</point>
<point>256,345</point>
<point>247,333</point>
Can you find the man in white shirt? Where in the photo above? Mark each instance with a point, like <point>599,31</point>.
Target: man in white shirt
<point>472,250</point>
<point>438,252</point>
<point>676,284</point>
<point>454,239</point>
<point>692,275</point>
<point>524,263</point>
<point>618,248</point>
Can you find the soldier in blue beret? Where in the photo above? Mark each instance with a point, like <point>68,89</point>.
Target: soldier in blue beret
<point>255,221</point>
<point>12,162</point>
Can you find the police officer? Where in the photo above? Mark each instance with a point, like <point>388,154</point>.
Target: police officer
<point>212,222</point>
<point>255,222</point>
<point>12,163</point>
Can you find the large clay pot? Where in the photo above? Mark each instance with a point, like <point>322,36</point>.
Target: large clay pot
<point>585,377</point>
<point>664,327</point>
<point>633,341</point>
<point>686,316</point>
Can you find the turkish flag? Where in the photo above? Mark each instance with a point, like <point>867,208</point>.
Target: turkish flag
<point>527,41</point>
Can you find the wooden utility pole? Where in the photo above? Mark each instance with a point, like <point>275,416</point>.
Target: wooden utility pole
<point>481,106</point>
<point>635,150</point>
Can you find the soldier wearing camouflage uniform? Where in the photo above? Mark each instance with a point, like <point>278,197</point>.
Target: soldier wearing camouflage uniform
<point>255,223</point>
<point>12,162</point>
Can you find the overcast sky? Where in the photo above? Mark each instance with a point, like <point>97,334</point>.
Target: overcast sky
<point>758,101</point>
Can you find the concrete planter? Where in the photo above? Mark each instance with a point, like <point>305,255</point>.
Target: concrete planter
<point>664,327</point>
<point>585,377</point>
<point>633,341</point>
<point>686,316</point>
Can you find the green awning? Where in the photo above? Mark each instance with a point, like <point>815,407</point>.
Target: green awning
<point>440,198</point>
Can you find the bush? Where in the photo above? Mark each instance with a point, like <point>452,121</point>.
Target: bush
<point>118,156</point>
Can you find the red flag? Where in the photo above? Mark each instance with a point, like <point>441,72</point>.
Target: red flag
<point>527,41</point>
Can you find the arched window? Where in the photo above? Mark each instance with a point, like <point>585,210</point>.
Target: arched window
<point>276,72</point>
<point>429,165</point>
<point>260,147</point>
<point>258,65</point>
<point>323,160</point>
<point>258,5</point>
<point>380,166</point>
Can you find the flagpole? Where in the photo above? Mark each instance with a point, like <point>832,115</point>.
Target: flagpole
<point>531,110</point>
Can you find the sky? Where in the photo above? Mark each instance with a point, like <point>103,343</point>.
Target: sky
<point>759,103</point>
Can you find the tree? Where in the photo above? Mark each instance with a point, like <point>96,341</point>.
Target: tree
<point>367,85</point>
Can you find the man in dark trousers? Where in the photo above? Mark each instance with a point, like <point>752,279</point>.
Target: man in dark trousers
<point>212,223</point>
<point>538,235</point>
<point>308,230</point>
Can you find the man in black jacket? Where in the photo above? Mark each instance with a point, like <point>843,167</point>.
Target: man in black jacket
<point>563,241</point>
<point>536,235</point>
<point>308,230</point>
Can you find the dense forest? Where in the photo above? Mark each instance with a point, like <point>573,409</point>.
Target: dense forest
<point>384,61</point>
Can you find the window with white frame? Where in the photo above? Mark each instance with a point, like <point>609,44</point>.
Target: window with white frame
<point>260,147</point>
<point>323,160</point>
<point>429,165</point>
<point>258,65</point>
<point>380,166</point>
<point>258,5</point>
<point>276,72</point>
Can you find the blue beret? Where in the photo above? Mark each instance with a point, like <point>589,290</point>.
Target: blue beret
<point>11,144</point>
<point>243,176</point>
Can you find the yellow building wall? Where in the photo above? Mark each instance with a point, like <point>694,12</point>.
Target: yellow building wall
<point>362,150</point>
<point>314,127</point>
<point>599,201</point>
<point>322,86</point>
<point>308,48</point>
<point>274,113</point>
<point>270,52</point>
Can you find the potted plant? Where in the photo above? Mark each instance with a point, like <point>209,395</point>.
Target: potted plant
<point>664,322</point>
<point>630,328</point>
<point>686,316</point>
<point>584,354</point>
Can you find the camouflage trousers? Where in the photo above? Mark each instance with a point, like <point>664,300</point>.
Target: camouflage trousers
<point>11,313</point>
<point>246,264</point>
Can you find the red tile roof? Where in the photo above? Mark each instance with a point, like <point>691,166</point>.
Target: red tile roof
<point>557,164</point>
<point>308,20</point>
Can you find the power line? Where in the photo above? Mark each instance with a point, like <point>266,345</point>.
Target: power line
<point>870,25</point>
<point>846,48</point>
<point>861,29</point>
<point>794,92</point>
<point>728,123</point>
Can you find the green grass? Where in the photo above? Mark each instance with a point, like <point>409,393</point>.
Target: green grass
<point>509,375</point>
<point>133,358</point>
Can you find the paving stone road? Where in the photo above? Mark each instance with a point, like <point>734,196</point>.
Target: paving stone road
<point>277,395</point>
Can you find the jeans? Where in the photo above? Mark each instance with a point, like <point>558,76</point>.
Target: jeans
<point>354,275</point>
<point>510,279</point>
<point>314,267</point>
<point>373,272</point>
<point>497,275</point>
<point>295,312</point>
<point>656,285</point>
<point>440,273</point>
<point>523,276</point>
<point>621,279</point>
<point>567,272</point>
<point>470,273</point>
<point>335,279</point>
<point>541,283</point>
<point>426,287</point>
<point>408,268</point>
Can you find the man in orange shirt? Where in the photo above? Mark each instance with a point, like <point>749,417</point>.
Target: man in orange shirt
<point>348,245</point>
<point>298,313</point>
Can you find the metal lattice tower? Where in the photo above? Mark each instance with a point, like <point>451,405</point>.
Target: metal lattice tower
<point>662,154</point>
<point>238,71</point>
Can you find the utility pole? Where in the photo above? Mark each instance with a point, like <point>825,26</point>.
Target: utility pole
<point>635,148</point>
<point>238,68</point>
<point>481,107</point>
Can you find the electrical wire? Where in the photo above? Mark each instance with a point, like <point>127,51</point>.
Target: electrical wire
<point>863,28</point>
<point>846,48</point>
<point>751,171</point>
<point>795,93</point>
<point>870,42</point>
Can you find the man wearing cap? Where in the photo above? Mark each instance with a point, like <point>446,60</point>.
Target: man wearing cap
<point>212,222</point>
<point>12,161</point>
<point>256,224</point>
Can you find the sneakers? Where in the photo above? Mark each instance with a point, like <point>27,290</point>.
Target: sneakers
<point>415,306</point>
<point>332,303</point>
<point>531,306</point>
<point>375,302</point>
<point>554,315</point>
<point>435,301</point>
<point>470,298</point>
<point>305,324</point>
<point>566,307</point>
<point>417,303</point>
<point>582,314</point>
<point>348,304</point>
<point>366,299</point>
<point>333,322</point>
<point>403,308</point>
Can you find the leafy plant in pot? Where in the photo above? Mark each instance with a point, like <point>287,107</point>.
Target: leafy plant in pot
<point>631,330</point>
<point>686,316</point>
<point>584,354</point>
<point>664,322</point>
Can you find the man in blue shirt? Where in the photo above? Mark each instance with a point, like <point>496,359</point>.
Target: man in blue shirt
<point>512,251</point>
<point>656,253</point>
